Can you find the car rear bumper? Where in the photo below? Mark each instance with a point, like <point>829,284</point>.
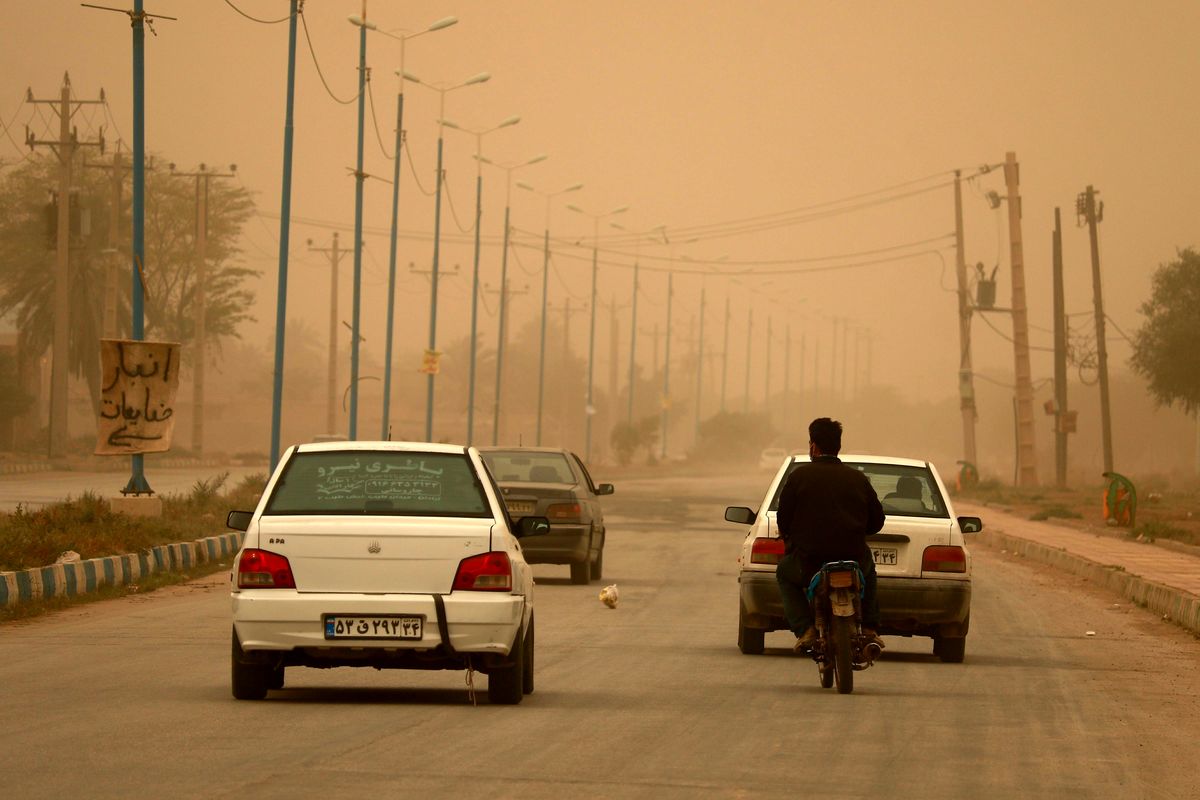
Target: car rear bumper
<point>283,620</point>
<point>923,606</point>
<point>565,544</point>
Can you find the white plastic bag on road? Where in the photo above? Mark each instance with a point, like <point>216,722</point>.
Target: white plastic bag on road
<point>609,595</point>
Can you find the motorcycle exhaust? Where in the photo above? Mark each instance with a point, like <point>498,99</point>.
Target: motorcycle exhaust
<point>872,651</point>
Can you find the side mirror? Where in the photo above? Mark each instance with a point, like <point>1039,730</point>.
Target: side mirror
<point>970,524</point>
<point>239,520</point>
<point>605,488</point>
<point>532,526</point>
<point>740,514</point>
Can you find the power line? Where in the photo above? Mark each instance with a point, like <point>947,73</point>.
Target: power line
<point>320,74</point>
<point>375,120</point>
<point>256,19</point>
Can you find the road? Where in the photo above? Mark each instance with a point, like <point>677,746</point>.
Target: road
<point>36,489</point>
<point>649,700</point>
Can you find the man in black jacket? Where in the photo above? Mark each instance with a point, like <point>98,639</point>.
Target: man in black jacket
<point>826,511</point>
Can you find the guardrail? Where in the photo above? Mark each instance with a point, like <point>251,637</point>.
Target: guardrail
<point>81,577</point>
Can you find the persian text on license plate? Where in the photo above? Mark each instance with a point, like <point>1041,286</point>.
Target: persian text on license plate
<point>885,556</point>
<point>520,507</point>
<point>344,626</point>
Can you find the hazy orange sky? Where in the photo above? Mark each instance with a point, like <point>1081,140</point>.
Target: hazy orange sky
<point>692,113</point>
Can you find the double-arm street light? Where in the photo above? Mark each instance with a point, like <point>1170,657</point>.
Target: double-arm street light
<point>442,90</point>
<point>508,170</point>
<point>359,176</point>
<point>545,288</point>
<point>590,410</point>
<point>403,38</point>
<point>478,133</point>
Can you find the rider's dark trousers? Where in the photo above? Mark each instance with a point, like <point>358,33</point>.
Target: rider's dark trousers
<point>795,573</point>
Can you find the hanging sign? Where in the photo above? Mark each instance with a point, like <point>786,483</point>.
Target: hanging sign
<point>137,399</point>
<point>431,362</point>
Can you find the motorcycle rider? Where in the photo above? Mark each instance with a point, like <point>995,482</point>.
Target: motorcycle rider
<point>826,511</point>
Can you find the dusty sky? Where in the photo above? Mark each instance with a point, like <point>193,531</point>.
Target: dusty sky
<point>693,114</point>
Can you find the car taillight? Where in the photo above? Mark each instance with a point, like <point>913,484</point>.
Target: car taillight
<point>564,512</point>
<point>766,551</point>
<point>944,558</point>
<point>261,569</point>
<point>486,572</point>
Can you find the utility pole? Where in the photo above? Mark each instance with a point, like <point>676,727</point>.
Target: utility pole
<point>1060,359</point>
<point>1086,203</point>
<point>767,374</point>
<point>116,171</point>
<point>334,253</point>
<point>64,148</point>
<point>700,364</point>
<point>966,378</point>
<point>749,341</point>
<point>725,354</point>
<point>502,339</point>
<point>1026,451</point>
<point>200,238</point>
<point>787,369</point>
<point>666,399</point>
<point>567,311</point>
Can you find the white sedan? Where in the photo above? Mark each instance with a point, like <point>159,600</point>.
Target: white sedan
<point>386,555</point>
<point>920,556</point>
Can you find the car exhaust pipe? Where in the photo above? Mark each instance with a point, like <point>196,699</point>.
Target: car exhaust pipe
<point>872,651</point>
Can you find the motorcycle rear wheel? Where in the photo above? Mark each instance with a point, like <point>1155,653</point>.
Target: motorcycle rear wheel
<point>825,670</point>
<point>843,662</point>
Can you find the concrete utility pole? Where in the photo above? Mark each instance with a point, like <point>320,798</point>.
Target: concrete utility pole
<point>334,253</point>
<point>64,147</point>
<point>725,354</point>
<point>505,295</point>
<point>203,175</point>
<point>767,374</point>
<point>116,171</point>
<point>567,310</point>
<point>1060,359</point>
<point>966,378</point>
<point>749,342</point>
<point>666,398</point>
<point>1086,204</point>
<point>1026,450</point>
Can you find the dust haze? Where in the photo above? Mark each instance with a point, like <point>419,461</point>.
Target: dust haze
<point>792,162</point>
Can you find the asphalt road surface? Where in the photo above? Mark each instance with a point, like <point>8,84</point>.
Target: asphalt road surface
<point>36,489</point>
<point>649,700</point>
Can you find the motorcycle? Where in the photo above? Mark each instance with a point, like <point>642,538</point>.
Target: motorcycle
<point>835,596</point>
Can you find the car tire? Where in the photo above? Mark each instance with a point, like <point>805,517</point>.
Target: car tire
<point>505,684</point>
<point>580,572</point>
<point>249,681</point>
<point>950,650</point>
<point>527,674</point>
<point>751,641</point>
<point>596,568</point>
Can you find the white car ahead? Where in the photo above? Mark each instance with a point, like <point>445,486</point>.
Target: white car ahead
<point>386,555</point>
<point>923,565</point>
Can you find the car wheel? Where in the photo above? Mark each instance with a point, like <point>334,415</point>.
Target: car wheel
<point>751,641</point>
<point>951,651</point>
<point>249,681</point>
<point>597,566</point>
<point>580,572</point>
<point>505,684</point>
<point>527,675</point>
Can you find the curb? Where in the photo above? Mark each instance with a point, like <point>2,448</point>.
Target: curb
<point>1182,608</point>
<point>81,577</point>
<point>22,468</point>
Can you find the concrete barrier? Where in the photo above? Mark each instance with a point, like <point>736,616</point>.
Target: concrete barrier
<point>1179,606</point>
<point>82,577</point>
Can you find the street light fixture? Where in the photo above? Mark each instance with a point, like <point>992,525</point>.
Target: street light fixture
<point>545,289</point>
<point>442,91</point>
<point>500,339</point>
<point>478,133</point>
<point>590,411</point>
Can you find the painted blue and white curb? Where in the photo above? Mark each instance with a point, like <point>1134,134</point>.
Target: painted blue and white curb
<point>81,577</point>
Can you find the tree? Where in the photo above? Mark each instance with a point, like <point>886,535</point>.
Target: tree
<point>731,437</point>
<point>27,258</point>
<point>1164,348</point>
<point>627,438</point>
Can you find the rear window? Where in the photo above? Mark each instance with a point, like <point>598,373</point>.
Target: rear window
<point>516,467</point>
<point>379,483</point>
<point>903,490</point>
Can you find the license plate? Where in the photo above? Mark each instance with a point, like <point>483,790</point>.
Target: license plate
<point>342,626</point>
<point>885,556</point>
<point>520,507</point>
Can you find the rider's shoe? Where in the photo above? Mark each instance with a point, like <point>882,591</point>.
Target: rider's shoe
<point>806,641</point>
<point>872,636</point>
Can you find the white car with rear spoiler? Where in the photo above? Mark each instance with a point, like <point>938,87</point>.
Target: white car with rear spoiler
<point>382,554</point>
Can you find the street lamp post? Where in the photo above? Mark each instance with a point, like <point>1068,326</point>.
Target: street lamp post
<point>391,299</point>
<point>545,290</point>
<point>508,169</point>
<point>637,255</point>
<point>442,90</point>
<point>590,411</point>
<point>359,177</point>
<point>478,133</point>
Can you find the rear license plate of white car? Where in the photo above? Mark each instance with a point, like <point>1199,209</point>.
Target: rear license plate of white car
<point>520,507</point>
<point>344,626</point>
<point>885,556</point>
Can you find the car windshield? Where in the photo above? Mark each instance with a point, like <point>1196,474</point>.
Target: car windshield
<point>904,490</point>
<point>518,467</point>
<point>379,482</point>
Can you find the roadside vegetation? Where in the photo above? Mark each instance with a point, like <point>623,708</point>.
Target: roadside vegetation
<point>1163,511</point>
